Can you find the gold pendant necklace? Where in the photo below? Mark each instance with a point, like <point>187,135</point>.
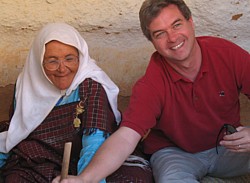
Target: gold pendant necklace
<point>79,110</point>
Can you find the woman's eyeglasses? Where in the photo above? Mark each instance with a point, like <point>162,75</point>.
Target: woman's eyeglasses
<point>53,64</point>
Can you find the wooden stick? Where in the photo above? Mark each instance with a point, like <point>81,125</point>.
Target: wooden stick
<point>66,159</point>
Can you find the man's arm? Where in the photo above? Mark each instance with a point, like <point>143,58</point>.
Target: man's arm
<point>111,155</point>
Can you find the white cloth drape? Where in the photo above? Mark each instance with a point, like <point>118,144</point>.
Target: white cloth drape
<point>36,96</point>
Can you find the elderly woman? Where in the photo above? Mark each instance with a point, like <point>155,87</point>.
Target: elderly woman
<point>60,96</point>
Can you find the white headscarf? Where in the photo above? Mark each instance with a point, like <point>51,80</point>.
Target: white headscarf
<point>36,96</point>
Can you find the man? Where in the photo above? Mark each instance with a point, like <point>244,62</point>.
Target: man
<point>189,92</point>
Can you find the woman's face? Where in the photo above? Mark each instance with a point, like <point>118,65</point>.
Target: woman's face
<point>60,63</point>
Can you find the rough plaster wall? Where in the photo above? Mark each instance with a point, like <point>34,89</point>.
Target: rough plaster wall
<point>111,29</point>
<point>228,19</point>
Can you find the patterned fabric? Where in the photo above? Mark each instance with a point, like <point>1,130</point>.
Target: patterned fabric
<point>39,157</point>
<point>132,174</point>
<point>96,106</point>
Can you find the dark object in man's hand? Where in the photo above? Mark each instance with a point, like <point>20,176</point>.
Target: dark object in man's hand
<point>230,129</point>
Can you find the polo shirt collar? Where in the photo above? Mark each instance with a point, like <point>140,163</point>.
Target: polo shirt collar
<point>175,76</point>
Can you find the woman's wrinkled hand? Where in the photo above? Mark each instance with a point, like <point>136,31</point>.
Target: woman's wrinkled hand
<point>238,141</point>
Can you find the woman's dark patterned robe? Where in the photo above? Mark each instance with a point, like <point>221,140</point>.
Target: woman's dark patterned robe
<point>38,158</point>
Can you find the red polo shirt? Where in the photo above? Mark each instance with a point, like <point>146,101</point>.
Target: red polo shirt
<point>190,114</point>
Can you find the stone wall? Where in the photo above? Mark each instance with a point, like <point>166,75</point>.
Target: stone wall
<point>111,29</point>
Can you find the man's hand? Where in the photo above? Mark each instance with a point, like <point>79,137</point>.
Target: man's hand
<point>238,141</point>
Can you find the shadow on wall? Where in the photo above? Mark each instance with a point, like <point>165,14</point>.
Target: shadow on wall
<point>6,96</point>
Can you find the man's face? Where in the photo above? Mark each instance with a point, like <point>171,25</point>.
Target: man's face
<point>172,35</point>
<point>63,76</point>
